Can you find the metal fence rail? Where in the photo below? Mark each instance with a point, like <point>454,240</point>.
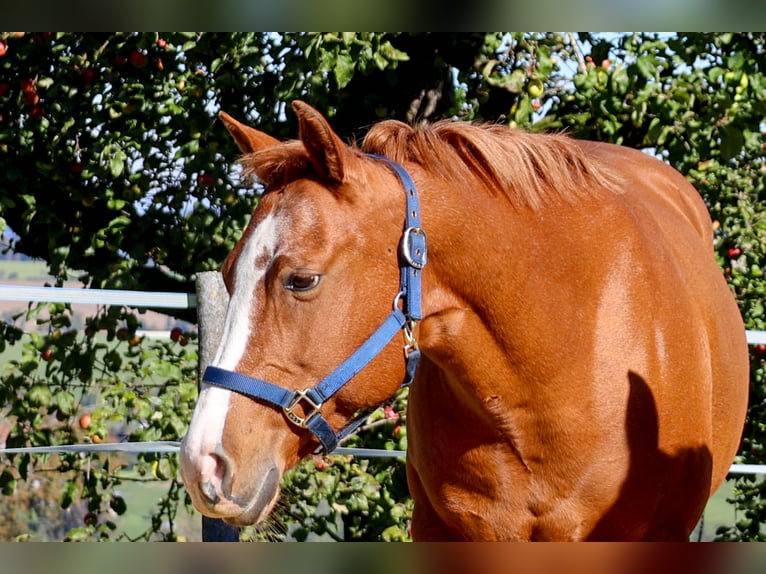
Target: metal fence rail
<point>158,300</point>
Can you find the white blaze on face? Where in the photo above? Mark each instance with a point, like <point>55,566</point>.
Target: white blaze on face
<point>209,417</point>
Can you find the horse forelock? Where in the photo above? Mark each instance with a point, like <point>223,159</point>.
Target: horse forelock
<point>275,166</point>
<point>528,169</point>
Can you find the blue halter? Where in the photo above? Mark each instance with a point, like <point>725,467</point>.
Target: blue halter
<point>412,259</point>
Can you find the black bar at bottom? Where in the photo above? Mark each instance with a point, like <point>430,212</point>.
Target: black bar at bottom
<point>216,530</point>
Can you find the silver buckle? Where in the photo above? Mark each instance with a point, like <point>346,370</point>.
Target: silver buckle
<point>299,397</point>
<point>419,258</point>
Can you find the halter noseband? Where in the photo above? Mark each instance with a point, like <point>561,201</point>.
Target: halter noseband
<point>412,259</point>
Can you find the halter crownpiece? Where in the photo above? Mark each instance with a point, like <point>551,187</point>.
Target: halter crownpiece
<point>407,310</point>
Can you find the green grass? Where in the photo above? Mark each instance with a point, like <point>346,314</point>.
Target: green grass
<point>142,499</point>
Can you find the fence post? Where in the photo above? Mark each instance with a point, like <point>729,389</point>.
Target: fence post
<point>212,300</point>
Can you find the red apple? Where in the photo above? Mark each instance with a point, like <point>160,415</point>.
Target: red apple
<point>31,98</point>
<point>85,421</point>
<point>759,351</point>
<point>390,414</point>
<point>47,354</point>
<point>176,333</point>
<point>138,59</point>
<point>733,252</point>
<point>3,48</point>
<point>89,76</point>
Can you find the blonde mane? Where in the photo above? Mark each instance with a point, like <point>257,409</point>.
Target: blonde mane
<point>526,168</point>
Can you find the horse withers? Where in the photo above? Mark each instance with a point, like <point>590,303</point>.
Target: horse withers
<point>580,365</point>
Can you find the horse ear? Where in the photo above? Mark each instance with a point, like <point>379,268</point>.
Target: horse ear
<point>326,150</point>
<point>248,139</point>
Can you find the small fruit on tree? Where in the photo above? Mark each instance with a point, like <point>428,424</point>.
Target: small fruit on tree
<point>733,252</point>
<point>176,334</point>
<point>535,88</point>
<point>47,354</point>
<point>31,98</point>
<point>138,59</point>
<point>3,48</point>
<point>206,179</point>
<point>85,421</point>
<point>36,112</point>
<point>89,76</point>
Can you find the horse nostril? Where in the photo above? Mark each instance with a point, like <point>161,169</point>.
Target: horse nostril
<point>213,469</point>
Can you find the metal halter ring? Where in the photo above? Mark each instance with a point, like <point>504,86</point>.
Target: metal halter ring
<point>299,397</point>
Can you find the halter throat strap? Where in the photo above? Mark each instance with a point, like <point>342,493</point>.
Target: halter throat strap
<point>407,310</point>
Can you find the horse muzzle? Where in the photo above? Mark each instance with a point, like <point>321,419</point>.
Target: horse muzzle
<point>219,490</point>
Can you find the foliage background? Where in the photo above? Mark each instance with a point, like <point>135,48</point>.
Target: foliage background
<point>116,174</point>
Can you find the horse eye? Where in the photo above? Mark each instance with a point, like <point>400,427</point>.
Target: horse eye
<point>302,281</point>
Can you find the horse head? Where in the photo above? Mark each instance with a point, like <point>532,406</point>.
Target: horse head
<point>314,274</point>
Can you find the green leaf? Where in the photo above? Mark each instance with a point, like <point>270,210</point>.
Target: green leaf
<point>647,66</point>
<point>116,165</point>
<point>7,483</point>
<point>732,141</point>
<point>392,54</point>
<point>117,503</point>
<point>65,402</point>
<point>344,69</point>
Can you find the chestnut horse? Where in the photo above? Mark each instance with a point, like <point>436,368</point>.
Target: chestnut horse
<point>583,367</point>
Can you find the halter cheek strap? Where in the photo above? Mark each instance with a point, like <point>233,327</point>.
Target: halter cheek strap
<point>407,310</point>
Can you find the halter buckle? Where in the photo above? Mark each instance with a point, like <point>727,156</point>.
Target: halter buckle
<point>313,408</point>
<point>414,247</point>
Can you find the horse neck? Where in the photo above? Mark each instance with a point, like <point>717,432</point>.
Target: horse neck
<point>472,283</point>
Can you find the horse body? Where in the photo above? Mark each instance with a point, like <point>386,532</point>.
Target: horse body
<point>601,356</point>
<point>584,369</point>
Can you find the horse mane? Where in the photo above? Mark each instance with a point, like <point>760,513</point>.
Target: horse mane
<point>528,169</point>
